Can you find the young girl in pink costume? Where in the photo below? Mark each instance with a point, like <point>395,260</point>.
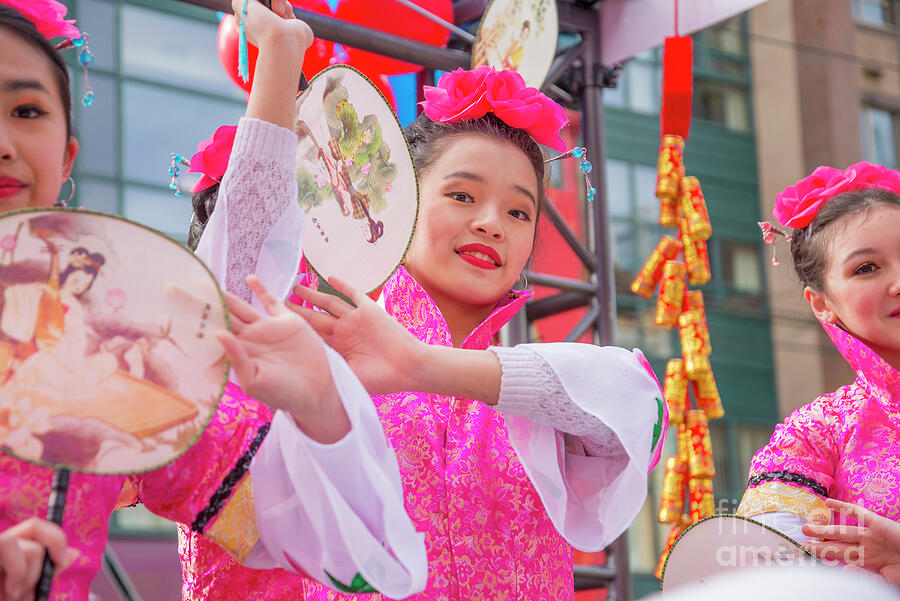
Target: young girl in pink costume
<point>508,456</point>
<point>845,445</point>
<point>278,502</point>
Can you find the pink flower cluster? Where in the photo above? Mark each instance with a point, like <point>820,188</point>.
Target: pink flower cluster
<point>464,95</point>
<point>48,16</point>
<point>212,156</point>
<point>796,206</point>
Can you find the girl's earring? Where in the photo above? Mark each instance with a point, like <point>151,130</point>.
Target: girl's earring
<point>65,202</point>
<point>525,286</point>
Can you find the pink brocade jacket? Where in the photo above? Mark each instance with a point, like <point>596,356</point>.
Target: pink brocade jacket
<point>845,445</point>
<point>487,534</point>
<point>182,491</point>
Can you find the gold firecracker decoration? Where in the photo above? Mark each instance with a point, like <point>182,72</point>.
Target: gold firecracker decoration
<point>700,456</point>
<point>671,504</point>
<point>693,206</point>
<point>703,504</point>
<point>671,294</point>
<point>691,332</point>
<point>651,273</point>
<point>675,390</point>
<point>696,257</point>
<point>689,473</point>
<point>669,171</point>
<point>706,393</point>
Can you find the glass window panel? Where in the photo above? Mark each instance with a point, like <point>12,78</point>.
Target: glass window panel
<point>158,209</point>
<point>728,66</point>
<point>722,103</point>
<point>97,129</point>
<point>159,121</point>
<point>645,193</point>
<point>749,440</point>
<point>624,236</point>
<point>642,552</point>
<point>139,520</point>
<point>100,17</point>
<point>98,195</point>
<point>741,266</point>
<point>883,137</point>
<point>722,482</point>
<point>727,35</point>
<point>873,11</point>
<point>657,340</point>
<point>618,188</point>
<point>616,96</point>
<point>173,50</point>
<point>627,329</point>
<point>643,86</point>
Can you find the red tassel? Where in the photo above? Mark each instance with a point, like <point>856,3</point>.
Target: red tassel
<point>678,86</point>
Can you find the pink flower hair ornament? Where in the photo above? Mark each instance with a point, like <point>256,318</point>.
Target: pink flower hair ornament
<point>48,16</point>
<point>211,159</point>
<point>465,95</point>
<point>796,206</point>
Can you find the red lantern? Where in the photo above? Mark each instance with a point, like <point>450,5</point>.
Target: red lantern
<point>394,18</point>
<point>381,82</point>
<point>318,56</point>
<point>227,45</point>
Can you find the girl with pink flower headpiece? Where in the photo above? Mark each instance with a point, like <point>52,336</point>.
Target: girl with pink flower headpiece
<point>508,456</point>
<point>261,482</point>
<point>844,445</point>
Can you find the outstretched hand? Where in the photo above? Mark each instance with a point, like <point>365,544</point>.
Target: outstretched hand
<point>381,352</point>
<point>873,545</point>
<point>22,549</point>
<point>280,360</point>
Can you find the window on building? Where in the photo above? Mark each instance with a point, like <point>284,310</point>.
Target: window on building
<point>741,268</point>
<point>878,129</point>
<point>722,103</point>
<point>873,11</point>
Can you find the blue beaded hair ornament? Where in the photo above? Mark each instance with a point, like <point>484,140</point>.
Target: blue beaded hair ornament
<point>579,152</point>
<point>85,59</point>
<point>175,171</point>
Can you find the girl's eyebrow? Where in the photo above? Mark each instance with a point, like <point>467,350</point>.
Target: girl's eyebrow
<point>16,85</point>
<point>477,178</point>
<point>859,251</point>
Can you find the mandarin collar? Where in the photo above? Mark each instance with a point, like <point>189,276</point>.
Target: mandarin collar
<point>413,307</point>
<point>881,378</point>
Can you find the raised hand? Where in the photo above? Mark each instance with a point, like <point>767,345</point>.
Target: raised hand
<point>381,352</point>
<point>873,545</point>
<point>22,550</point>
<point>280,360</point>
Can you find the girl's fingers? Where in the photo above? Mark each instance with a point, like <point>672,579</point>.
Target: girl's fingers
<point>284,9</point>
<point>833,550</point>
<point>334,305</point>
<point>322,323</point>
<point>13,561</point>
<point>241,309</point>
<point>238,357</point>
<point>47,534</point>
<point>269,302</point>
<point>836,532</point>
<point>347,290</point>
<point>862,515</point>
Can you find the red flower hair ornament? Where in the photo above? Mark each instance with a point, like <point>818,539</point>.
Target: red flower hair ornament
<point>211,159</point>
<point>48,16</point>
<point>796,206</point>
<point>465,95</point>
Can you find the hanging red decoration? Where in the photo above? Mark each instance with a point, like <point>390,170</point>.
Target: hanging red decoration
<point>318,56</point>
<point>227,46</point>
<point>395,18</point>
<point>678,86</point>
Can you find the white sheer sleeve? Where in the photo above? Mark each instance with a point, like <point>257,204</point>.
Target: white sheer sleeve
<point>582,420</point>
<point>257,223</point>
<point>336,511</point>
<point>789,524</point>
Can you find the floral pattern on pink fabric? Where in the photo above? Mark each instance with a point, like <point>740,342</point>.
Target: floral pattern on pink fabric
<point>486,532</point>
<point>848,440</point>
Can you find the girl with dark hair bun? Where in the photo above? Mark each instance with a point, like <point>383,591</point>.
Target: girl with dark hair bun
<point>508,456</point>
<point>259,482</point>
<point>845,444</point>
